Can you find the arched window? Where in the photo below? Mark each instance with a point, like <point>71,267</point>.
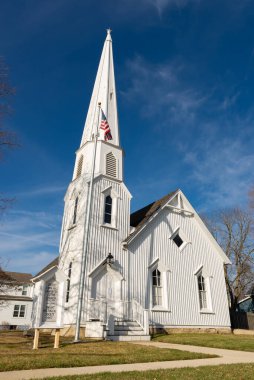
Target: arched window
<point>157,288</point>
<point>110,164</point>
<point>79,167</point>
<point>108,209</point>
<point>68,283</point>
<point>75,211</point>
<point>202,292</point>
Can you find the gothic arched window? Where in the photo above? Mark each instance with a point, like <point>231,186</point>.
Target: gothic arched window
<point>75,211</point>
<point>202,291</point>
<point>108,209</point>
<point>157,288</point>
<point>68,283</point>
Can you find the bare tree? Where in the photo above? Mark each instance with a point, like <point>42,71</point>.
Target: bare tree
<point>233,230</point>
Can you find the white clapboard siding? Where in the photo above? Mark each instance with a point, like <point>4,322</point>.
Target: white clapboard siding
<point>182,302</point>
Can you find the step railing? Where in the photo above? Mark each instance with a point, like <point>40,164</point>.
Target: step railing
<point>100,309</point>
<point>133,311</point>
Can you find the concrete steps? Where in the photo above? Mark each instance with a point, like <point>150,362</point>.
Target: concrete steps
<point>129,338</point>
<point>128,331</point>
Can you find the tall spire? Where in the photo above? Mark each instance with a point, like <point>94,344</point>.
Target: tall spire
<point>104,91</point>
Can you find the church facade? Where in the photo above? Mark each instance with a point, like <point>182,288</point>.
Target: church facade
<point>121,274</point>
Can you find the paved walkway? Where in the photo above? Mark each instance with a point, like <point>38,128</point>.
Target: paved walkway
<point>225,357</point>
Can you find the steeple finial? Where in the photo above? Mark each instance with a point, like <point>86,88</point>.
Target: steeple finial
<point>109,35</point>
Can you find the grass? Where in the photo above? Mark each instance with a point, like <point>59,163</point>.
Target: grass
<point>228,372</point>
<point>16,353</point>
<point>227,341</point>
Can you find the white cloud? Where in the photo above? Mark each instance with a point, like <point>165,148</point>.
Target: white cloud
<point>162,5</point>
<point>41,191</point>
<point>161,91</point>
<point>214,143</point>
<point>29,240</point>
<point>222,169</point>
<point>28,263</point>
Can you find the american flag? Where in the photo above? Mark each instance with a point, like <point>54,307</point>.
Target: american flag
<point>105,127</point>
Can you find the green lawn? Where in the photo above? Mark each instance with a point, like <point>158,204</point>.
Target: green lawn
<point>16,353</point>
<point>228,372</point>
<point>227,341</point>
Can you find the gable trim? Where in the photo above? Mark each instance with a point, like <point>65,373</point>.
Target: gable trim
<point>180,209</point>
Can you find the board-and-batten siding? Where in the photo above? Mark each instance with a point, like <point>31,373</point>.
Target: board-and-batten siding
<point>105,240</point>
<point>102,240</point>
<point>182,292</point>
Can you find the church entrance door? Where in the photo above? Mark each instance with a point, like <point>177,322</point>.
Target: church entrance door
<point>106,288</point>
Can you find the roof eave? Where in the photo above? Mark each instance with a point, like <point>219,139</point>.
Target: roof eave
<point>37,278</point>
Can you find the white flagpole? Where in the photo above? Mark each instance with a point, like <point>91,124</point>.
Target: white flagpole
<point>86,234</point>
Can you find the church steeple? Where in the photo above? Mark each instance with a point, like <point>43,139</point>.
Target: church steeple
<point>109,155</point>
<point>104,91</point>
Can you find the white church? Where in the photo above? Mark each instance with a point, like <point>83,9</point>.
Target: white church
<point>121,275</point>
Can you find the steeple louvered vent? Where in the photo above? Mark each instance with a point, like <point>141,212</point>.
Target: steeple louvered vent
<point>110,165</point>
<point>79,168</point>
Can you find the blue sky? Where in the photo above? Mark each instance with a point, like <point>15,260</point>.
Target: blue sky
<point>185,81</point>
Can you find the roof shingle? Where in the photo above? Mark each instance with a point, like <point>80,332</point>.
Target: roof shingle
<point>18,278</point>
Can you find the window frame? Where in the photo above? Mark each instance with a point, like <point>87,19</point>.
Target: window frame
<point>75,211</point>
<point>19,309</point>
<point>24,290</point>
<point>202,291</point>
<point>114,196</point>
<point>157,288</point>
<point>204,294</point>
<point>181,236</point>
<point>68,283</point>
<point>176,239</point>
<point>108,208</point>
<point>165,284</point>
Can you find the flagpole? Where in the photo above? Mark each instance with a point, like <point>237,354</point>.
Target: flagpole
<point>86,235</point>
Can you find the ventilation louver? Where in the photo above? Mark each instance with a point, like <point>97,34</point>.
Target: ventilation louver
<point>110,165</point>
<point>79,168</point>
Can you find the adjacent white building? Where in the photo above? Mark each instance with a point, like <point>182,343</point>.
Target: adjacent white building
<point>16,300</point>
<point>158,267</point>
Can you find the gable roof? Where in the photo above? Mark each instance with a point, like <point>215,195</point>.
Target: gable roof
<point>16,277</point>
<point>139,218</point>
<point>142,217</point>
<point>52,264</point>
